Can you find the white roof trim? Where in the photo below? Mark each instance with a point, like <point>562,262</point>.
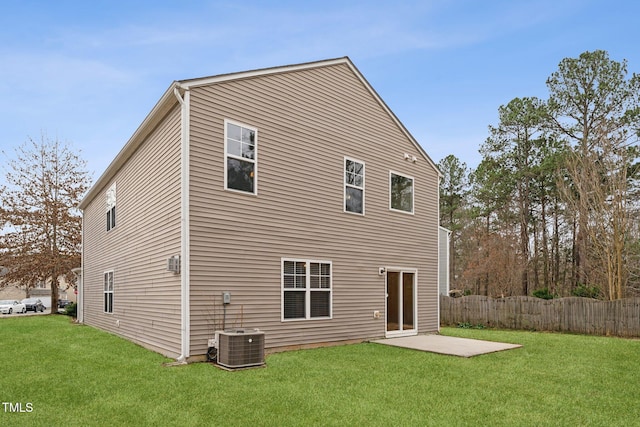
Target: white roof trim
<point>204,81</point>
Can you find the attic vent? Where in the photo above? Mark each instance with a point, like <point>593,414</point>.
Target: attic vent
<point>173,264</point>
<point>240,348</point>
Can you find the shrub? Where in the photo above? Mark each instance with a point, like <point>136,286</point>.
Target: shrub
<point>586,291</point>
<point>543,294</point>
<point>467,325</point>
<point>71,309</point>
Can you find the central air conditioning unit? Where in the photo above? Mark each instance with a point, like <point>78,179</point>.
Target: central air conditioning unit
<point>240,348</point>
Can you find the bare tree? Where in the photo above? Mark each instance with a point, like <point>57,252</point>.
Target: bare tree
<point>41,229</point>
<point>599,187</point>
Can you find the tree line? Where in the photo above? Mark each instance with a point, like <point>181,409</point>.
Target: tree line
<point>552,208</point>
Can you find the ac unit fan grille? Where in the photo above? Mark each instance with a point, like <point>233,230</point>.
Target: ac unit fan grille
<point>238,350</point>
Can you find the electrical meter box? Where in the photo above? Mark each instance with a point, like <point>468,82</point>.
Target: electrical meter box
<point>226,297</point>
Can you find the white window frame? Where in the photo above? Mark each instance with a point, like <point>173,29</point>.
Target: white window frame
<point>347,185</point>
<point>227,122</point>
<point>111,207</point>
<point>413,193</point>
<point>308,290</point>
<point>108,307</point>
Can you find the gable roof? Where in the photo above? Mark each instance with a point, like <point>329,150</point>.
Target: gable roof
<point>169,100</point>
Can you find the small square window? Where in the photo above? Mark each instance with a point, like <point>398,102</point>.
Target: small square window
<point>401,193</point>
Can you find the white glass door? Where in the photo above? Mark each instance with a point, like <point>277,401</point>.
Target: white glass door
<point>401,302</point>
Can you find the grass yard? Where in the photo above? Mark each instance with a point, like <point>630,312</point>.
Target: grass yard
<point>74,375</point>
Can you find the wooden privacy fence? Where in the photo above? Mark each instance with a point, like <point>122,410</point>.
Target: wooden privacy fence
<point>578,315</point>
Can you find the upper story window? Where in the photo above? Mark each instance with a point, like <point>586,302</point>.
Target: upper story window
<point>353,186</point>
<point>111,207</point>
<point>240,146</point>
<point>400,192</point>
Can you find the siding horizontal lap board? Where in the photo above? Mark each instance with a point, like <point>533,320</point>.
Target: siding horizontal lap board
<point>146,296</point>
<point>308,118</point>
<point>307,122</point>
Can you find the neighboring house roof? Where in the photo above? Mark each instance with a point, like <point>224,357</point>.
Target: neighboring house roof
<point>169,100</point>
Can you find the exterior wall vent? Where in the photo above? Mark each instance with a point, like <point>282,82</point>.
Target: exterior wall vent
<point>173,264</point>
<point>240,348</point>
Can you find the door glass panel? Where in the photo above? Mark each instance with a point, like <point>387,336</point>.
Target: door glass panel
<point>393,301</point>
<point>407,301</point>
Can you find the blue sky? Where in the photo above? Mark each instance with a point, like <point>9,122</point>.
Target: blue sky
<point>88,72</point>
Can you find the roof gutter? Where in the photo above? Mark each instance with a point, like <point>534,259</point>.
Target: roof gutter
<point>184,101</point>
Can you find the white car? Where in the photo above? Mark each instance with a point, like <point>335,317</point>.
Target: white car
<point>9,306</point>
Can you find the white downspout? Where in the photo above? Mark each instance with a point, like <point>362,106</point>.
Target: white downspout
<point>438,250</point>
<point>184,224</point>
<point>79,272</point>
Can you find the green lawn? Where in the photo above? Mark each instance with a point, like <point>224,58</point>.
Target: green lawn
<point>76,375</point>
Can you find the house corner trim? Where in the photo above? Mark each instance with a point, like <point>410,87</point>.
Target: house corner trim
<point>184,101</point>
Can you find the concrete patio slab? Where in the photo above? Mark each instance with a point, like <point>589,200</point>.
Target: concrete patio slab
<point>463,347</point>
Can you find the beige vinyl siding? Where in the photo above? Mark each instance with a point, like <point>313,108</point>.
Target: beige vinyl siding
<point>307,122</point>
<point>146,307</point>
<point>443,257</point>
